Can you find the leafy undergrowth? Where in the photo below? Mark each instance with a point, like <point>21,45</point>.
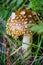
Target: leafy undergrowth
<point>10,49</point>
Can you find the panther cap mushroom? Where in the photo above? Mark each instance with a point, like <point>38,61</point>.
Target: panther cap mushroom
<point>17,25</point>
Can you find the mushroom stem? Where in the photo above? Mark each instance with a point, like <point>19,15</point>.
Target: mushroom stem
<point>27,39</point>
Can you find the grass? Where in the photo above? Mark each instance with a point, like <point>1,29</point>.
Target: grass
<point>14,46</point>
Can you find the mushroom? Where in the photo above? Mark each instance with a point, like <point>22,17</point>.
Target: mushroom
<point>18,23</point>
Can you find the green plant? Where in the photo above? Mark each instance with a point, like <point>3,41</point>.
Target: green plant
<point>36,5</point>
<point>7,7</point>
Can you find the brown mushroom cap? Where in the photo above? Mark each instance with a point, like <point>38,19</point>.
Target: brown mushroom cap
<point>18,21</point>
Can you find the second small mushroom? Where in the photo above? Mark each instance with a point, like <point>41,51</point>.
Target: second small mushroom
<point>18,23</point>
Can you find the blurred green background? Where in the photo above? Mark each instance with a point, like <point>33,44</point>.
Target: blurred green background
<point>6,8</point>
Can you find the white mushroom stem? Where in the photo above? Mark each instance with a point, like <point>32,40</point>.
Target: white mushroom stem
<point>27,39</point>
